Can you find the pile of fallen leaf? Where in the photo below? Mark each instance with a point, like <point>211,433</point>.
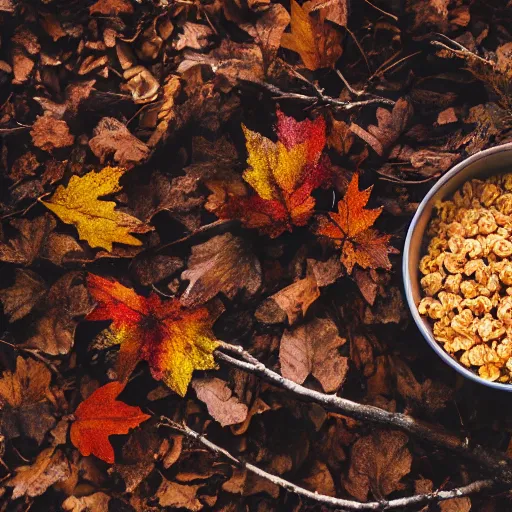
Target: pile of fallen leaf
<point>178,177</point>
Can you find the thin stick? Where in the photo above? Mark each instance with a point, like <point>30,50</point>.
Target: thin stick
<point>321,99</point>
<point>472,488</point>
<point>381,11</point>
<point>492,461</point>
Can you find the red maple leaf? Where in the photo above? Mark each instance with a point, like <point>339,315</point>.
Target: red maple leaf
<point>100,416</point>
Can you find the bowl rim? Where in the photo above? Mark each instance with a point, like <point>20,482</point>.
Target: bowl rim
<point>418,319</point>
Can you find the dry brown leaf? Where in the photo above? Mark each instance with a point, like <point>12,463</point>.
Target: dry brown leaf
<point>55,328</point>
<point>222,405</point>
<point>269,28</point>
<point>49,133</point>
<point>389,128</point>
<point>430,395</point>
<point>28,244</point>
<point>234,61</point>
<point>23,167</point>
<point>296,298</point>
<point>113,139</point>
<point>50,466</point>
<point>172,494</point>
<point>318,43</point>
<point>194,36</point>
<point>455,505</point>
<point>111,7</point>
<point>23,295</point>
<point>223,264</point>
<point>377,464</point>
<point>97,502</point>
<point>319,479</point>
<point>312,348</point>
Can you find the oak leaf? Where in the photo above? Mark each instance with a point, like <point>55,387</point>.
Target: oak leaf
<point>30,241</point>
<point>291,302</point>
<point>100,416</point>
<point>25,399</point>
<point>312,348</point>
<point>318,43</point>
<point>377,464</point>
<point>222,264</point>
<point>455,505</point>
<point>282,174</point>
<point>389,128</point>
<point>49,133</point>
<point>111,7</point>
<point>222,405</point>
<point>174,341</point>
<point>172,494</point>
<point>350,229</point>
<point>112,138</point>
<point>19,299</point>
<point>96,220</point>
<point>50,466</point>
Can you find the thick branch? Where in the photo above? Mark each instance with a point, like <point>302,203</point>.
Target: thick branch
<point>322,498</point>
<point>492,461</point>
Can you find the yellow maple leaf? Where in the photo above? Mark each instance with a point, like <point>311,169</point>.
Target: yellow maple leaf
<point>318,43</point>
<point>97,221</point>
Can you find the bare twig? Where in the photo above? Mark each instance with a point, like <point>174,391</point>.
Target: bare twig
<point>382,11</point>
<point>322,498</point>
<point>493,462</point>
<point>320,98</point>
<point>217,225</point>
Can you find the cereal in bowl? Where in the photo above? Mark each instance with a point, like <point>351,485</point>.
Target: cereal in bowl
<point>467,276</point>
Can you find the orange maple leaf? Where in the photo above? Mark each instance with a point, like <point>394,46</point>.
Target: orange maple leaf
<point>173,340</point>
<point>100,416</point>
<point>350,229</point>
<point>282,174</point>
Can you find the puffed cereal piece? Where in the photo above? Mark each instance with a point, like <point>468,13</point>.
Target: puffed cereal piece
<point>489,328</point>
<point>486,223</point>
<point>450,301</point>
<point>471,289</point>
<point>461,343</point>
<point>504,204</point>
<point>473,265</point>
<point>431,307</point>
<point>446,210</point>
<point>456,244</point>
<point>489,194</point>
<point>504,310</point>
<point>437,245</point>
<point>463,322</point>
<point>506,181</point>
<point>502,248</point>
<point>452,283</point>
<point>487,242</point>
<point>504,349</point>
<point>469,221</point>
<point>443,333</point>
<point>502,220</point>
<point>455,228</point>
<point>482,354</point>
<point>479,305</point>
<point>508,364</point>
<point>454,263</point>
<point>432,283</point>
<point>472,247</point>
<point>489,372</point>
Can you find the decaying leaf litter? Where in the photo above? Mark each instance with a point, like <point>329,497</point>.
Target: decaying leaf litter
<point>203,206</point>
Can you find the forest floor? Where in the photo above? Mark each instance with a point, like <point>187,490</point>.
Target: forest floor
<point>203,207</point>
